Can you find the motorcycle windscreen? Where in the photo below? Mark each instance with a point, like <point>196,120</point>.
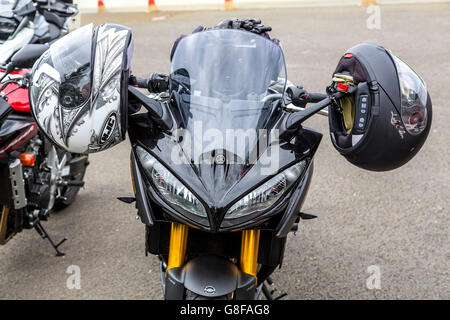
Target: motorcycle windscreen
<point>227,84</point>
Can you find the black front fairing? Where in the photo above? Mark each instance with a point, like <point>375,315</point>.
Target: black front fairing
<point>226,92</point>
<point>142,132</point>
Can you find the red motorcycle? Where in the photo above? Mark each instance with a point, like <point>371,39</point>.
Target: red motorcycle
<point>36,177</point>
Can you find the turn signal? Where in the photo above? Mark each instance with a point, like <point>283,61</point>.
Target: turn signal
<point>27,159</point>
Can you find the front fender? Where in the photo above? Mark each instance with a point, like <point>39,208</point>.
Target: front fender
<point>211,277</point>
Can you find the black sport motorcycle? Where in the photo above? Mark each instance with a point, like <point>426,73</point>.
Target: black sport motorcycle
<point>218,214</point>
<point>36,177</point>
<point>221,162</point>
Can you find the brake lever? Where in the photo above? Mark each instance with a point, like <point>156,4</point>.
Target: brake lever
<point>292,122</point>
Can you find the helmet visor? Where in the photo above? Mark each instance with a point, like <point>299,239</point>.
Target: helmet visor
<point>413,98</point>
<point>71,57</point>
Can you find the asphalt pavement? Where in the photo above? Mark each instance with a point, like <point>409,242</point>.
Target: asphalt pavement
<point>397,221</point>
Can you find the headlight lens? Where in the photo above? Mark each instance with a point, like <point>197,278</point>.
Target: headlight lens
<point>170,188</point>
<point>265,196</point>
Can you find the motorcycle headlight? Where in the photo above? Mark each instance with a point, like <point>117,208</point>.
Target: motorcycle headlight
<point>171,189</point>
<point>265,196</point>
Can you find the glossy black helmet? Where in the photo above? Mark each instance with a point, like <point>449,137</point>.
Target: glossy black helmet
<point>385,122</point>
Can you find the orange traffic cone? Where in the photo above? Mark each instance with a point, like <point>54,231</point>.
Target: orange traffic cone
<point>229,5</point>
<point>101,6</point>
<point>365,3</point>
<point>152,6</point>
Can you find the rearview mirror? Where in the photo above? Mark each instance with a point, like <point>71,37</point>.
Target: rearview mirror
<point>25,57</point>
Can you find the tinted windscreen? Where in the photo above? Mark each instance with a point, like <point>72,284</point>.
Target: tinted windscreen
<point>227,83</point>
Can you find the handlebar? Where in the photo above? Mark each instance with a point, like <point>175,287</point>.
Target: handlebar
<point>316,97</point>
<point>300,97</point>
<point>156,83</point>
<point>139,82</point>
<point>159,82</point>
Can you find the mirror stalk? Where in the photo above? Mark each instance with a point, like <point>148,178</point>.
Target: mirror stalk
<point>155,108</point>
<point>9,68</point>
<point>293,121</point>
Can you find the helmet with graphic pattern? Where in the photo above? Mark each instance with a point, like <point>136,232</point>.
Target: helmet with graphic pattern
<point>78,91</point>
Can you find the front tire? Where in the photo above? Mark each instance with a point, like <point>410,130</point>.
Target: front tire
<point>78,167</point>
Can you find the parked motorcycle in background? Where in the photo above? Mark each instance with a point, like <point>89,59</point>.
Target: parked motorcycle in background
<point>27,21</point>
<point>35,176</point>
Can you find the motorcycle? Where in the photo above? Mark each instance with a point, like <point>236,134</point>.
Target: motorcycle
<point>26,202</point>
<point>221,161</point>
<point>25,22</point>
<point>35,177</point>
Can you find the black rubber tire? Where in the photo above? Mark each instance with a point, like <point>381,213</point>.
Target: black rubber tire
<point>71,192</point>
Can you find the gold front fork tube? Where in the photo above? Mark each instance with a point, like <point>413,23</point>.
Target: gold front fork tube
<point>177,247</point>
<point>249,251</point>
<point>4,237</point>
<point>132,177</point>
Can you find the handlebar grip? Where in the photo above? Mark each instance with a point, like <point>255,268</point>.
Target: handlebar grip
<point>140,82</point>
<point>316,97</point>
<point>298,96</point>
<point>156,83</point>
